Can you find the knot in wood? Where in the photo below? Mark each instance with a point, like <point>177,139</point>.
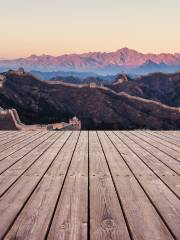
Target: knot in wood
<point>108,224</point>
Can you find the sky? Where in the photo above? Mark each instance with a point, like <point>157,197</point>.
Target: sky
<point>57,27</point>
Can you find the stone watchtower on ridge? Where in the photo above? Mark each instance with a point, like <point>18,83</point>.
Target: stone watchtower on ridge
<point>20,71</point>
<point>76,122</point>
<point>92,85</point>
<point>2,80</point>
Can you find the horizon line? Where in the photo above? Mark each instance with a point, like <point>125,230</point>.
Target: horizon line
<point>87,52</point>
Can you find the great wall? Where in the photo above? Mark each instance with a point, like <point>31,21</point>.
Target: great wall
<point>9,120</point>
<point>21,72</point>
<point>85,85</point>
<point>102,87</point>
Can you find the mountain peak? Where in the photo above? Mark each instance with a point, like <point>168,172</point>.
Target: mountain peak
<point>126,50</point>
<point>32,56</point>
<point>149,62</point>
<point>97,62</point>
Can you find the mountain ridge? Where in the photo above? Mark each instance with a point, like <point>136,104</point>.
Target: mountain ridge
<point>124,59</point>
<point>97,107</point>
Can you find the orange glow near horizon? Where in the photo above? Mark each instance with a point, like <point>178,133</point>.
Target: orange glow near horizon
<point>67,26</point>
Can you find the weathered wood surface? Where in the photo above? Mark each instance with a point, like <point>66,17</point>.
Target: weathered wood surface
<point>104,185</point>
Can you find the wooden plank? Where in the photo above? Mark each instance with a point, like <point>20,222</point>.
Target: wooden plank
<point>168,176</point>
<point>106,217</point>
<point>12,138</point>
<point>166,138</point>
<point>16,140</point>
<point>26,152</point>
<point>6,134</point>
<point>166,159</point>
<point>171,145</point>
<point>170,135</point>
<point>70,219</point>
<point>3,132</point>
<point>48,184</point>
<point>159,145</point>
<point>143,220</point>
<point>13,173</point>
<point>27,140</point>
<point>16,197</point>
<point>35,218</point>
<point>173,133</point>
<point>155,189</point>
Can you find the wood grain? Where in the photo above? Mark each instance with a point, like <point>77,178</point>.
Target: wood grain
<point>88,185</point>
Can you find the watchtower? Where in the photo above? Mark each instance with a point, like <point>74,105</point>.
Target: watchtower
<point>2,80</point>
<point>92,85</point>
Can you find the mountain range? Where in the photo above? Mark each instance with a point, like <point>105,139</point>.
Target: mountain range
<point>148,102</point>
<point>127,60</point>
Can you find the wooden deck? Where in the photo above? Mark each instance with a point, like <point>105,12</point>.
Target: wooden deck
<point>90,185</point>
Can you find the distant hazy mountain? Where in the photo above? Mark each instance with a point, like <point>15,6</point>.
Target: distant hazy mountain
<point>49,75</point>
<point>125,59</point>
<point>151,67</point>
<point>65,75</point>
